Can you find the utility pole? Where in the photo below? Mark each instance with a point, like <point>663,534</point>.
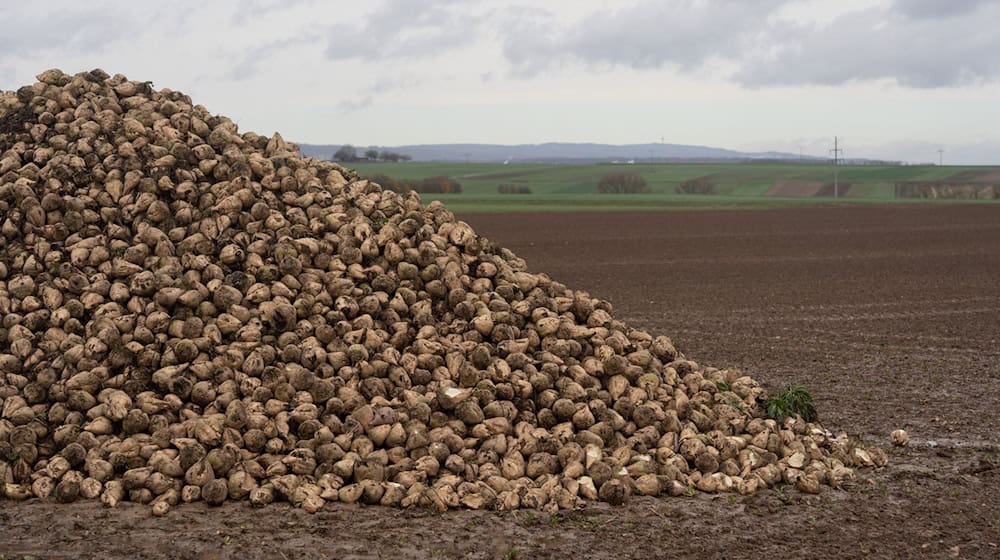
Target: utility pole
<point>836,159</point>
<point>940,157</point>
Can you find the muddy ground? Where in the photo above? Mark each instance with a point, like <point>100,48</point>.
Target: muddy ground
<point>890,315</point>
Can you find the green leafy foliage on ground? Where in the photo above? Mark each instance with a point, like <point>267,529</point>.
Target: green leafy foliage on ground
<point>792,401</point>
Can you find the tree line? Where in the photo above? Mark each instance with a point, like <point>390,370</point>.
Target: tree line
<point>348,153</point>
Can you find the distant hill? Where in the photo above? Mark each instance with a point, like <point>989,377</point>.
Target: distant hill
<point>559,153</point>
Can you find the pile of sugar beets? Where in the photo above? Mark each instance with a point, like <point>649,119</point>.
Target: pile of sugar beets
<point>191,313</point>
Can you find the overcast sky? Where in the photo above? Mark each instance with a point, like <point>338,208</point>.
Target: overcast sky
<point>896,79</point>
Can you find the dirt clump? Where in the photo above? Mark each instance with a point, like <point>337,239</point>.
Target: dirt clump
<point>190,313</point>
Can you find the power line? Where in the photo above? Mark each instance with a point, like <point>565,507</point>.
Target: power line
<point>836,160</point>
<point>940,157</point>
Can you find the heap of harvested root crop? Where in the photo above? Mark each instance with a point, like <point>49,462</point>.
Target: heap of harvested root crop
<point>190,313</point>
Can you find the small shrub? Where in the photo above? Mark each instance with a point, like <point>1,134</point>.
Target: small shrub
<point>512,188</point>
<point>385,181</point>
<point>622,183</point>
<point>439,184</point>
<point>407,185</point>
<point>698,185</point>
<point>793,401</point>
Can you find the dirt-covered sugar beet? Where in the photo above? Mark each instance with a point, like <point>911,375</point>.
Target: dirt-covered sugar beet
<point>191,313</point>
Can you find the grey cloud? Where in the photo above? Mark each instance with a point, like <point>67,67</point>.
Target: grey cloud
<point>917,43</point>
<point>367,96</point>
<point>72,26</point>
<point>247,61</point>
<point>405,29</point>
<point>872,45</point>
<point>6,77</point>
<point>680,33</point>
<point>249,10</point>
<point>70,29</point>
<point>387,84</point>
<point>937,8</point>
<point>356,104</point>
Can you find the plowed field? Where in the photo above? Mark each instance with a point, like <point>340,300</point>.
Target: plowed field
<point>890,315</point>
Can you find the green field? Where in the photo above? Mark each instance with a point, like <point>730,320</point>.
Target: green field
<point>736,185</point>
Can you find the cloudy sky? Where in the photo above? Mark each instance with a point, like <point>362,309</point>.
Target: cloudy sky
<point>895,78</point>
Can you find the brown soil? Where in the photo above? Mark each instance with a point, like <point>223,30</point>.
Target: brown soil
<point>891,316</point>
<point>973,176</point>
<point>990,177</point>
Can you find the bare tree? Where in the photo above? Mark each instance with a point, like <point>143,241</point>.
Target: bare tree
<point>346,152</point>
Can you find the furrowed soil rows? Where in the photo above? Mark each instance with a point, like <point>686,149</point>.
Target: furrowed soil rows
<point>903,301</point>
<point>887,314</point>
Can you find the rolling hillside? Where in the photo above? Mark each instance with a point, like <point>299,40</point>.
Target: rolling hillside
<point>732,184</point>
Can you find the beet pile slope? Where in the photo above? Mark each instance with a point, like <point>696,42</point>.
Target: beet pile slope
<point>191,313</point>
